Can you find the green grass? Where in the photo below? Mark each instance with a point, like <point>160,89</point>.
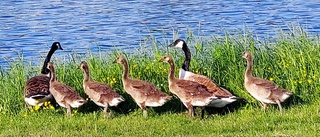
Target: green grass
<point>292,60</point>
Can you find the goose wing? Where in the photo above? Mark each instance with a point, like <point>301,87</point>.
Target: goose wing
<point>265,84</point>
<point>208,83</point>
<point>145,87</point>
<point>37,87</point>
<point>193,88</point>
<point>97,90</point>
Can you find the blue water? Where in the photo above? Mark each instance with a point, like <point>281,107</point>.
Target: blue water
<point>27,28</point>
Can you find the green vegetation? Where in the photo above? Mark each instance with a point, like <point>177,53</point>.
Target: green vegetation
<point>291,60</point>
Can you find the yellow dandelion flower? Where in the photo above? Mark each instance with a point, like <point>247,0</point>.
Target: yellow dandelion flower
<point>25,114</point>
<point>4,112</point>
<point>271,79</point>
<point>75,111</point>
<point>51,107</point>
<point>31,110</point>
<point>11,120</point>
<point>309,81</point>
<point>36,108</point>
<point>269,68</point>
<point>313,77</point>
<point>300,81</point>
<point>45,104</point>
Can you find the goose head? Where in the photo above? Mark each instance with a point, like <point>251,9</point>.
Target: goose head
<point>84,66</point>
<point>179,43</point>
<point>50,66</point>
<point>166,59</point>
<point>247,55</point>
<point>120,60</point>
<point>56,46</point>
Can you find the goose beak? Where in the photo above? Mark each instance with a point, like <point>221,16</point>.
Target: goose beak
<point>61,48</point>
<point>171,45</point>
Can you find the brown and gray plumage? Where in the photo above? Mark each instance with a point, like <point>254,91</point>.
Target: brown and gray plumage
<point>36,91</point>
<point>101,94</point>
<point>225,97</point>
<point>144,93</point>
<point>190,93</point>
<point>64,95</point>
<point>263,90</point>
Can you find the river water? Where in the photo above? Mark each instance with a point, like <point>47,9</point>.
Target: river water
<point>27,28</point>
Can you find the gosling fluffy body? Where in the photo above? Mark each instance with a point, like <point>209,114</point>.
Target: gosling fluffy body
<point>144,93</point>
<point>189,92</point>
<point>264,91</point>
<point>64,95</point>
<point>101,94</point>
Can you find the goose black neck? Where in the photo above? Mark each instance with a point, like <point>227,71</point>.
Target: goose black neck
<point>187,59</point>
<point>44,69</point>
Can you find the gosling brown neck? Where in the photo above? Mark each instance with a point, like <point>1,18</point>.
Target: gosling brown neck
<point>249,68</point>
<point>52,74</point>
<point>125,74</point>
<point>171,76</point>
<point>86,74</point>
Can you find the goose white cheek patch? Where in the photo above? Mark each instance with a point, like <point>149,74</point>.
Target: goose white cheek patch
<point>180,44</point>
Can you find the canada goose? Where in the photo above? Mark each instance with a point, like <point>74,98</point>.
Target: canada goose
<point>101,94</point>
<point>144,93</point>
<point>263,90</point>
<point>36,91</point>
<point>225,97</point>
<point>64,95</point>
<point>190,93</point>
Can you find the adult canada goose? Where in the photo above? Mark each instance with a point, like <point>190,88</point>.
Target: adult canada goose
<point>225,97</point>
<point>101,94</point>
<point>144,93</point>
<point>36,91</point>
<point>64,95</point>
<point>190,93</point>
<point>263,90</point>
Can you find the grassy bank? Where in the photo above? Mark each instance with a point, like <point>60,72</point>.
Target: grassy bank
<point>291,60</point>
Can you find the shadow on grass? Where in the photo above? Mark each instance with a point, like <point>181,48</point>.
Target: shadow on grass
<point>129,106</point>
<point>175,106</point>
<point>292,101</point>
<point>230,108</point>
